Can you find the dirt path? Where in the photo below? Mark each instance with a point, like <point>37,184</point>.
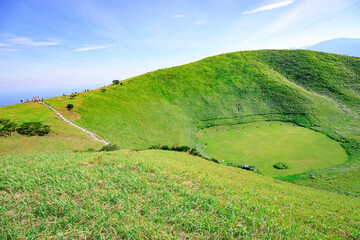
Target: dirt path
<point>73,124</point>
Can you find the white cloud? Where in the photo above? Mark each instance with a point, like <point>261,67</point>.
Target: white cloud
<point>29,42</point>
<point>270,6</point>
<point>3,44</point>
<point>177,16</point>
<point>90,48</point>
<point>201,22</point>
<point>10,49</point>
<point>305,14</point>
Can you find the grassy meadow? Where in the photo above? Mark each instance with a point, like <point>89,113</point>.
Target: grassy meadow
<point>168,106</point>
<point>315,90</point>
<point>160,194</point>
<point>62,137</point>
<point>263,144</point>
<point>52,187</point>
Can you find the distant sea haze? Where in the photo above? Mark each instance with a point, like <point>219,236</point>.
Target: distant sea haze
<point>14,96</point>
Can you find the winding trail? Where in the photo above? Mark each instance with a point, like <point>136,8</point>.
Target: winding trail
<point>73,124</point>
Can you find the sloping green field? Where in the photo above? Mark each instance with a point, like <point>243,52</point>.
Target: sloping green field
<point>160,194</point>
<point>168,106</point>
<point>315,90</point>
<point>62,137</point>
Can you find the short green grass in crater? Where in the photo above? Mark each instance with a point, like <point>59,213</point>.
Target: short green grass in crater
<point>265,143</point>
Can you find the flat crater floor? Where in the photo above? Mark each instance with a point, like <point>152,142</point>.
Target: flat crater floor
<point>265,143</point>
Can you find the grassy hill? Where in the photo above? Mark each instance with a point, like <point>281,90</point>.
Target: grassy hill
<point>62,137</point>
<point>160,194</point>
<point>168,106</point>
<point>315,90</point>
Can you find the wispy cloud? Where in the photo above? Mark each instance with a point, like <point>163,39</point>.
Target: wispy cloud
<point>177,16</point>
<point>270,6</point>
<point>3,44</point>
<point>10,49</point>
<point>90,48</point>
<point>29,42</point>
<point>201,22</point>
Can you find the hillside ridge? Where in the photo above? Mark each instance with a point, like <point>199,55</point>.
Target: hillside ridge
<point>315,90</point>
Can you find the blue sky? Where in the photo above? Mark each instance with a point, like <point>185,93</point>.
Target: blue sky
<point>53,47</point>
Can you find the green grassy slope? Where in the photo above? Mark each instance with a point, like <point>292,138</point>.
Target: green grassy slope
<point>62,137</point>
<point>160,194</point>
<point>263,144</point>
<point>169,105</point>
<point>315,90</point>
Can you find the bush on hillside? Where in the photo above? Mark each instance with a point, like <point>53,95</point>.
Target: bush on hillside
<point>254,169</point>
<point>70,106</point>
<point>164,147</point>
<point>103,90</point>
<point>181,148</point>
<point>33,129</point>
<point>280,165</point>
<point>110,147</point>
<point>115,82</point>
<point>195,152</point>
<point>155,147</point>
<point>214,160</point>
<point>251,168</point>
<point>191,151</point>
<point>176,148</point>
<point>7,127</point>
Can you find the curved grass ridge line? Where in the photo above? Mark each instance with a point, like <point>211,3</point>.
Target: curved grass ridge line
<point>256,114</point>
<point>73,124</point>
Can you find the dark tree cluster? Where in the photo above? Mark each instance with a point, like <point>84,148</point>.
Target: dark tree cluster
<point>6,127</point>
<point>115,82</point>
<point>27,128</point>
<point>70,106</point>
<point>33,129</point>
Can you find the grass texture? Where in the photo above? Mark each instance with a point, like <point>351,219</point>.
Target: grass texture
<point>160,194</point>
<point>263,144</point>
<point>62,137</point>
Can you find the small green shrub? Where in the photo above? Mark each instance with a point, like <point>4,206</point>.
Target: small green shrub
<point>70,106</point>
<point>110,147</point>
<point>103,90</point>
<point>155,147</point>
<point>251,168</point>
<point>254,169</point>
<point>195,152</point>
<point>33,129</point>
<point>181,148</point>
<point>7,127</point>
<point>214,160</point>
<point>115,82</point>
<point>280,165</point>
<point>164,147</point>
<point>237,165</point>
<point>73,95</point>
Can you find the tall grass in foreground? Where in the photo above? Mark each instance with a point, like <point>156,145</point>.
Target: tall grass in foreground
<point>160,194</point>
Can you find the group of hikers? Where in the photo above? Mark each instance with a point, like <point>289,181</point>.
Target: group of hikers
<point>37,99</point>
<point>34,100</point>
